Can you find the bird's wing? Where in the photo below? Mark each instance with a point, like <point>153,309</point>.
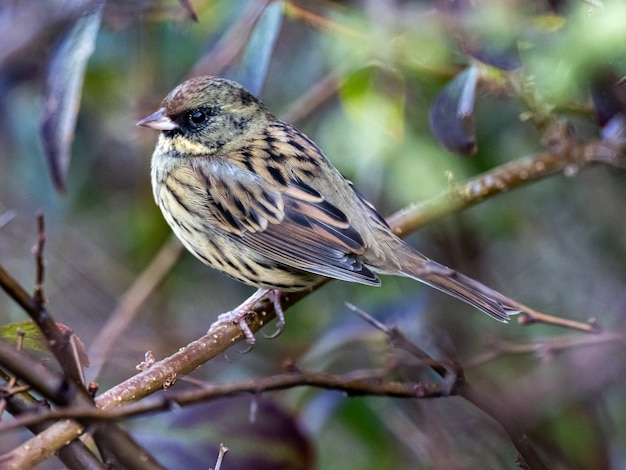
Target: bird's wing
<point>285,220</point>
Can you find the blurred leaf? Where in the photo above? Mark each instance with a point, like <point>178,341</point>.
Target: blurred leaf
<point>608,93</point>
<point>452,113</point>
<point>64,87</point>
<point>33,339</point>
<point>483,32</point>
<point>258,52</point>
<point>186,4</point>
<point>190,437</point>
<point>375,88</point>
<point>504,56</point>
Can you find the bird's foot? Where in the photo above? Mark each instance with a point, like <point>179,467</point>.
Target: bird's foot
<point>239,314</point>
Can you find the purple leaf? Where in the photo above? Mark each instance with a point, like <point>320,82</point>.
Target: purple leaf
<point>63,89</point>
<point>497,48</point>
<point>608,94</point>
<point>258,51</point>
<point>452,113</point>
<point>189,439</point>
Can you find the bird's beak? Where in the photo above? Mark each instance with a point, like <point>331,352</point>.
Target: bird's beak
<point>158,121</point>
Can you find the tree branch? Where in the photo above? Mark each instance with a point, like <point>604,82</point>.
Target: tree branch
<point>364,383</point>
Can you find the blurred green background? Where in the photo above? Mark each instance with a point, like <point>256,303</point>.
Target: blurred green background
<point>370,71</point>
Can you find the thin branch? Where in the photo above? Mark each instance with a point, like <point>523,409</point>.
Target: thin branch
<point>66,389</point>
<point>21,403</point>
<point>318,94</point>
<point>14,290</point>
<point>38,297</point>
<point>364,383</point>
<point>542,347</point>
<point>400,342</point>
<point>129,303</point>
<point>6,217</point>
<point>569,159</point>
<point>322,23</point>
<point>58,341</point>
<point>119,443</point>
<point>496,410</point>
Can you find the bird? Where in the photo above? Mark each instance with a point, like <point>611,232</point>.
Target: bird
<point>255,198</point>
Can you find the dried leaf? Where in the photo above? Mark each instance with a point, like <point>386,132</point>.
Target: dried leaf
<point>63,89</point>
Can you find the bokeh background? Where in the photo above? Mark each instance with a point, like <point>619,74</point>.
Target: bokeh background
<point>359,77</point>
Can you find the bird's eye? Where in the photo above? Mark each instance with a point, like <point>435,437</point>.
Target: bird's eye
<point>198,117</point>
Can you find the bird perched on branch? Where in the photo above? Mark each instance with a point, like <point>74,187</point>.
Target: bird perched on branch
<point>255,198</point>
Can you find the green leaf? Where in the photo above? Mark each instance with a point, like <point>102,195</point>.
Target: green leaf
<point>33,339</point>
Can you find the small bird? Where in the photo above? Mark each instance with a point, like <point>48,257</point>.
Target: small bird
<point>255,198</point>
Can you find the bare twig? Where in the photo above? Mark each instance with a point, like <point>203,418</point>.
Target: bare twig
<point>317,95</point>
<point>363,383</point>
<point>541,347</point>
<point>399,341</point>
<point>38,297</point>
<point>129,303</point>
<point>323,23</point>
<point>66,389</point>
<point>58,341</point>
<point>10,389</point>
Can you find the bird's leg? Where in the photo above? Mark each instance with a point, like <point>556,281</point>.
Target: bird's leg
<point>274,297</point>
<point>238,315</point>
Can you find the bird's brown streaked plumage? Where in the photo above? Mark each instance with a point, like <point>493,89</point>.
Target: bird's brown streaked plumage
<point>255,198</point>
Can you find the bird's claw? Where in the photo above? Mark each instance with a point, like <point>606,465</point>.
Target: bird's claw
<point>238,315</point>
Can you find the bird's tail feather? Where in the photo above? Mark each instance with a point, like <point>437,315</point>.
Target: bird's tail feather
<point>461,287</point>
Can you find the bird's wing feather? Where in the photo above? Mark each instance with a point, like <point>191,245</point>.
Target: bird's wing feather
<point>290,223</point>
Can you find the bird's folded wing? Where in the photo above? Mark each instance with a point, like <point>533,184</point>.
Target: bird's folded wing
<point>293,225</point>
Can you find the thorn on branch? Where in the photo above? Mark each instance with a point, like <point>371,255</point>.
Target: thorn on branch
<point>220,457</point>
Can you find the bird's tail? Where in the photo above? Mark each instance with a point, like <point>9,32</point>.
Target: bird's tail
<point>451,282</point>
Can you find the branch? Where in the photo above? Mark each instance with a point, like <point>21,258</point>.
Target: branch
<point>364,383</point>
<point>545,347</point>
<point>38,297</point>
<point>74,455</point>
<point>66,389</point>
<point>57,340</point>
<point>129,303</point>
<point>567,158</point>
